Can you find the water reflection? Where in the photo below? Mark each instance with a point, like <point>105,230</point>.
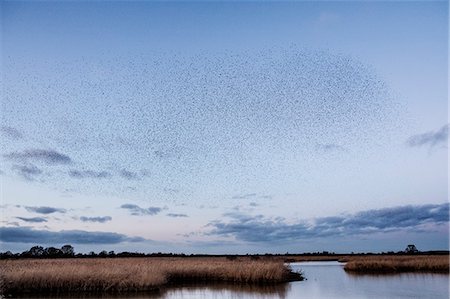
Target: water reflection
<point>329,280</point>
<point>230,291</point>
<point>217,290</point>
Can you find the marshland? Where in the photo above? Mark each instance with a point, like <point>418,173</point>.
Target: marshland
<point>157,275</point>
<point>397,264</point>
<point>72,275</point>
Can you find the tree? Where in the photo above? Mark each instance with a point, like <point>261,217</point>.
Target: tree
<point>68,250</point>
<point>411,248</point>
<point>36,251</point>
<point>53,252</point>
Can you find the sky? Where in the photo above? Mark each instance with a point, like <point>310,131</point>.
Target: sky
<point>224,127</point>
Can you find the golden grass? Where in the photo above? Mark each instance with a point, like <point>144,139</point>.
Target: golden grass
<point>132,274</point>
<point>402,263</point>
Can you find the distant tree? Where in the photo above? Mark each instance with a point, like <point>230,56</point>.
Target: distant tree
<point>36,251</point>
<point>52,252</point>
<point>411,248</point>
<point>8,254</point>
<point>68,250</point>
<point>103,253</point>
<point>111,253</point>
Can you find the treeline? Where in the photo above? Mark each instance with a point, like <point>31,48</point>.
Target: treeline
<point>68,251</point>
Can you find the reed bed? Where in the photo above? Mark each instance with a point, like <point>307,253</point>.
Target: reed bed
<point>132,274</point>
<point>395,264</point>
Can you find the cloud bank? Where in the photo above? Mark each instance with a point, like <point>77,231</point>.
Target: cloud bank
<point>29,235</point>
<point>260,229</point>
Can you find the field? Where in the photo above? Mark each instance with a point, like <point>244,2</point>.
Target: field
<point>134,274</point>
<point>394,264</point>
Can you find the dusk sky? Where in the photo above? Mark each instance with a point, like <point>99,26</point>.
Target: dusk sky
<point>212,127</point>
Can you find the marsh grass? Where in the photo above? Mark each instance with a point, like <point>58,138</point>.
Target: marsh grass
<point>117,275</point>
<point>394,264</point>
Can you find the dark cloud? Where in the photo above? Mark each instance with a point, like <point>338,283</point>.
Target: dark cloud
<point>260,229</point>
<point>175,215</point>
<point>44,210</point>
<point>430,138</point>
<point>29,172</point>
<point>49,157</point>
<point>33,219</point>
<point>138,211</point>
<point>29,235</point>
<point>83,174</point>
<point>96,219</point>
<point>10,132</point>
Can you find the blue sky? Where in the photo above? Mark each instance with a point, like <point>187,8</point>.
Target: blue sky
<point>225,127</point>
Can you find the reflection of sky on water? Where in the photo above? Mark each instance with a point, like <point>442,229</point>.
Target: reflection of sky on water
<point>329,280</point>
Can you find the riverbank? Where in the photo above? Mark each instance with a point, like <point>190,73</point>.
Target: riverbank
<point>119,275</point>
<point>398,264</point>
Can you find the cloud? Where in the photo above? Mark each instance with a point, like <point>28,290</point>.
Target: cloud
<point>29,235</point>
<point>49,157</point>
<point>44,210</point>
<point>83,174</point>
<point>33,219</point>
<point>96,219</point>
<point>329,147</point>
<point>138,211</point>
<point>10,132</point>
<point>260,229</point>
<point>29,172</point>
<point>431,138</point>
<point>252,196</point>
<point>244,196</point>
<point>129,175</point>
<point>174,215</point>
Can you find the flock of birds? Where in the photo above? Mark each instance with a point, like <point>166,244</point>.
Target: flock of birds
<point>178,118</point>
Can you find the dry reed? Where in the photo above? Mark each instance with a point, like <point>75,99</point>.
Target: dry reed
<point>132,274</point>
<point>393,264</point>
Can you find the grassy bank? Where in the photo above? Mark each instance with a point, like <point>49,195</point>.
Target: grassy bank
<point>133,274</point>
<point>396,264</point>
